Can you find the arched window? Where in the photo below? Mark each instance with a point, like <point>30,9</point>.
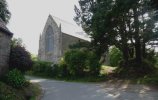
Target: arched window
<point>49,39</point>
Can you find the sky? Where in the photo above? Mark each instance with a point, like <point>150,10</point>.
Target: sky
<point>29,17</point>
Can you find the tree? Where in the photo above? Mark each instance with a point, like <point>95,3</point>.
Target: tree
<point>127,24</point>
<point>20,58</point>
<point>154,3</point>
<point>115,56</point>
<point>4,12</point>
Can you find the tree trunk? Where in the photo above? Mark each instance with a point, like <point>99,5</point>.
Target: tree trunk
<point>137,37</point>
<point>138,52</point>
<point>125,53</point>
<point>143,50</point>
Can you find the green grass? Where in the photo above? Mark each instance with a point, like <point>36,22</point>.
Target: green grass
<point>35,91</point>
<point>9,93</point>
<point>148,79</point>
<point>35,88</point>
<point>105,70</point>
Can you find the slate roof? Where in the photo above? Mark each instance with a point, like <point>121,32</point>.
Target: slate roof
<point>4,29</point>
<point>70,29</point>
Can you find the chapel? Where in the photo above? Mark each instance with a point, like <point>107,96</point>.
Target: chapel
<point>56,38</point>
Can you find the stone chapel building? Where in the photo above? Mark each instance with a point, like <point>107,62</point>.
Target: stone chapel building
<point>56,38</point>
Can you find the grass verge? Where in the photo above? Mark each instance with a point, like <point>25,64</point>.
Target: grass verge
<point>31,92</point>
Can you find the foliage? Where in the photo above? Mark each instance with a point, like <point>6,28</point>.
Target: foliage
<point>42,67</point>
<point>76,62</point>
<point>32,92</point>
<point>9,93</point>
<point>149,79</point>
<point>63,69</point>
<point>127,24</point>
<point>80,45</point>
<point>17,42</point>
<point>151,56</point>
<point>81,62</point>
<point>135,70</point>
<point>20,58</point>
<point>34,57</point>
<point>4,12</point>
<point>16,79</point>
<point>154,3</point>
<point>115,56</point>
<point>93,64</point>
<point>27,93</point>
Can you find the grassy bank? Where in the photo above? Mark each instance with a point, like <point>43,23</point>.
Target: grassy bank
<point>28,93</point>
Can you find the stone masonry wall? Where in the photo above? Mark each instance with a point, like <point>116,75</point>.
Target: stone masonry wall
<point>55,54</point>
<point>68,40</point>
<point>4,52</point>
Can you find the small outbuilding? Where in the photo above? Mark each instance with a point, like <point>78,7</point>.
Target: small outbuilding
<point>5,41</point>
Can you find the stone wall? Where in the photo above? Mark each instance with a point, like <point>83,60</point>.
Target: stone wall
<point>4,52</point>
<point>68,40</point>
<point>55,54</point>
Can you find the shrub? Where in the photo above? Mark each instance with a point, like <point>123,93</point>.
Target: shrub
<point>55,70</point>
<point>115,56</point>
<point>79,62</point>
<point>80,45</point>
<point>42,68</point>
<point>63,69</point>
<point>93,64</point>
<point>20,58</point>
<point>151,56</point>
<point>76,62</point>
<point>9,93</point>
<point>16,79</point>
<point>132,69</point>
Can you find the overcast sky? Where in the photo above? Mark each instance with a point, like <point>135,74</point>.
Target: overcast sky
<point>29,17</point>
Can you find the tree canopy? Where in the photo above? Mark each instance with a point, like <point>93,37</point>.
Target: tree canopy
<point>4,12</point>
<point>130,25</point>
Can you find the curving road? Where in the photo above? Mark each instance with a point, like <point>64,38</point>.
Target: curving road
<point>60,90</point>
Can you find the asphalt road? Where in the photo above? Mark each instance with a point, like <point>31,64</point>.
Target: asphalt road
<point>60,90</point>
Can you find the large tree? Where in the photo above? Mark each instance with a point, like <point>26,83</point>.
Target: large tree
<point>154,3</point>
<point>127,24</point>
<point>4,12</point>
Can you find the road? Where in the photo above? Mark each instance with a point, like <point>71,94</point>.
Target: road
<point>60,90</point>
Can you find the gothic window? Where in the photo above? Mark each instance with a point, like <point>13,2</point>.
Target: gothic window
<point>49,39</point>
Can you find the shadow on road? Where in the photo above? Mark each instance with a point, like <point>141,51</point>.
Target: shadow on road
<point>60,90</point>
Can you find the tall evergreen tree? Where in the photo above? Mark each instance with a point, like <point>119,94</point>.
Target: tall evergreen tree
<point>127,24</point>
<point>4,12</point>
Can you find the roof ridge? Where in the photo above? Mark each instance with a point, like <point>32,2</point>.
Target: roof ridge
<point>4,28</point>
<point>67,22</point>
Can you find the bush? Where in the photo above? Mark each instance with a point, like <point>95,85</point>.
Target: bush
<point>63,69</point>
<point>80,45</point>
<point>76,62</point>
<point>80,62</point>
<point>132,69</point>
<point>93,64</point>
<point>20,58</point>
<point>16,79</point>
<point>115,56</point>
<point>9,93</point>
<point>43,68</point>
